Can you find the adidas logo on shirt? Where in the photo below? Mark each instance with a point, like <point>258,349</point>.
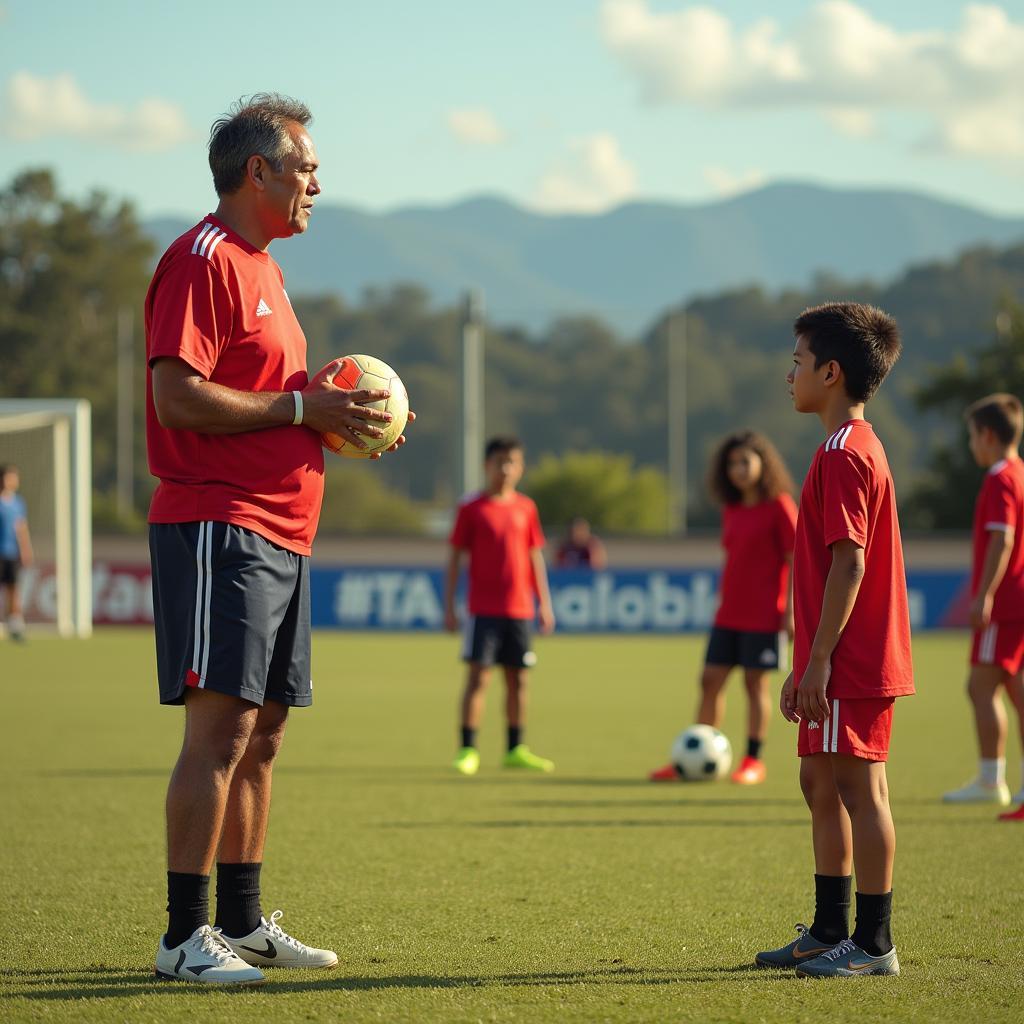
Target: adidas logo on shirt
<point>813,725</point>
<point>263,309</point>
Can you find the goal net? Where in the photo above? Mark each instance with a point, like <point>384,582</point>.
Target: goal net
<point>49,440</point>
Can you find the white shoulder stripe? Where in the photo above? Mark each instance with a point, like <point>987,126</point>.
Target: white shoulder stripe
<point>846,435</point>
<point>195,245</point>
<point>839,438</point>
<point>213,237</point>
<point>220,238</point>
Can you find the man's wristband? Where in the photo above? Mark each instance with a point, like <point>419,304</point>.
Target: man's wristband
<point>297,395</point>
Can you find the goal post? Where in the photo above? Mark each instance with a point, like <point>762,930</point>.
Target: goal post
<point>50,442</point>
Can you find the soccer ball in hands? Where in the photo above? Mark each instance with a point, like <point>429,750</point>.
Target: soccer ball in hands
<point>358,372</point>
<point>701,754</point>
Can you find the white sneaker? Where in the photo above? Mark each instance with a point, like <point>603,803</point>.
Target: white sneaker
<point>204,957</point>
<point>270,946</point>
<point>978,792</point>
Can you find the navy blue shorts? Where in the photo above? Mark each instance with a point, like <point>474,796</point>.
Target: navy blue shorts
<point>494,640</point>
<point>231,613</point>
<point>766,651</point>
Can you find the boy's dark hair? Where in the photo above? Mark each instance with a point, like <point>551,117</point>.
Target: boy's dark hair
<point>503,443</point>
<point>1001,413</point>
<point>775,478</point>
<point>863,340</point>
<point>257,125</point>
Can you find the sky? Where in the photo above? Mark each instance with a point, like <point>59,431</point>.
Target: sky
<point>558,105</point>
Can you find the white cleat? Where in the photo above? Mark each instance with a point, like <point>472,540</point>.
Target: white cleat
<point>270,946</point>
<point>978,792</point>
<point>206,958</point>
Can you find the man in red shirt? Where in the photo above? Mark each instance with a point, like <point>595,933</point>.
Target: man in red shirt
<point>500,531</point>
<point>994,426</point>
<point>851,655</point>
<point>232,428</point>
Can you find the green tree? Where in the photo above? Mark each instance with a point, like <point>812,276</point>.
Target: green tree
<point>604,488</point>
<point>357,500</point>
<point>945,496</point>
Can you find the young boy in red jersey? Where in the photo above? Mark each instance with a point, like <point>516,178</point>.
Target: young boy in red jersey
<point>500,530</point>
<point>994,426</point>
<point>851,655</point>
<point>754,620</point>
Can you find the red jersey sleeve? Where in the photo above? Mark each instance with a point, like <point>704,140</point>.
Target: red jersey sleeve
<point>785,523</point>
<point>461,530</point>
<point>192,314</point>
<point>536,533</point>
<point>999,509</point>
<point>845,491</point>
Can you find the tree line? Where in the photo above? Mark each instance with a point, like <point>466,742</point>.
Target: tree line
<point>575,388</point>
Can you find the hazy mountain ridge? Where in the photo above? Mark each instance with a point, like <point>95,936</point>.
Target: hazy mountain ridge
<point>628,264</point>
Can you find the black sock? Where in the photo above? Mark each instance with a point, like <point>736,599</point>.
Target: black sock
<point>468,736</point>
<point>831,908</point>
<point>515,736</point>
<point>874,929</point>
<point>754,747</point>
<point>188,905</point>
<point>238,899</point>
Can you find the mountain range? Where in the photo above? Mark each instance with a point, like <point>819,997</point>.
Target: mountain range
<point>630,263</point>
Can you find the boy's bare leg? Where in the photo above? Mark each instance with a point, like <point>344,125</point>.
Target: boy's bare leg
<point>759,703</point>
<point>830,821</point>
<point>472,707</point>
<point>515,696</point>
<point>863,788</point>
<point>983,687</point>
<point>711,707</point>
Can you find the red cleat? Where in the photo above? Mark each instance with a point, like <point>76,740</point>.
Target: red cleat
<point>1017,815</point>
<point>666,774</point>
<point>750,772</point>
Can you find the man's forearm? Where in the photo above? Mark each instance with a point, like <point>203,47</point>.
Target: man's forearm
<point>208,408</point>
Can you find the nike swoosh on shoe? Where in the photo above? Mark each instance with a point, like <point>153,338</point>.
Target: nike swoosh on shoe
<point>270,952</point>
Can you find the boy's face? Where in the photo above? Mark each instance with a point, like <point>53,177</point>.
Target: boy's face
<point>504,469</point>
<point>983,444</point>
<point>809,386</point>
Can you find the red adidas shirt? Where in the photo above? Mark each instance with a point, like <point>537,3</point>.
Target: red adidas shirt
<point>220,305</point>
<point>758,540</point>
<point>1000,506</point>
<point>848,494</point>
<point>499,534</point>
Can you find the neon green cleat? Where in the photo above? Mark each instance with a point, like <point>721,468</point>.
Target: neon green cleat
<point>467,761</point>
<point>521,757</point>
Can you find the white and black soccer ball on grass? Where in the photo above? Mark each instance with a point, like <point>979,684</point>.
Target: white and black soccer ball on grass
<point>701,754</point>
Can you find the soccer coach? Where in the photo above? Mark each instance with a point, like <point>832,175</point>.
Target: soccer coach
<point>232,431</point>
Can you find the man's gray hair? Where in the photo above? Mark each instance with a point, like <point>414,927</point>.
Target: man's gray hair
<point>257,125</point>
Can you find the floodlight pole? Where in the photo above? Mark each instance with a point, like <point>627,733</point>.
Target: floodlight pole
<point>125,412</point>
<point>677,465</point>
<point>471,431</point>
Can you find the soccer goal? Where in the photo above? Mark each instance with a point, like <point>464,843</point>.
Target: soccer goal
<point>49,440</point>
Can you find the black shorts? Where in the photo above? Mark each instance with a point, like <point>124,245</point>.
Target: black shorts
<point>492,640</point>
<point>768,651</point>
<point>231,613</point>
<point>9,568</point>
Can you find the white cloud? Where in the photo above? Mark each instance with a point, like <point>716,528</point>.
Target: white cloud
<point>726,183</point>
<point>475,127</point>
<point>37,108</point>
<point>968,82</point>
<point>591,176</point>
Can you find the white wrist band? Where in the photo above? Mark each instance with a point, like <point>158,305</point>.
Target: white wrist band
<point>297,395</point>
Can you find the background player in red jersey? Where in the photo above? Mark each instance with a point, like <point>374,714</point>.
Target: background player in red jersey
<point>994,426</point>
<point>581,548</point>
<point>754,620</point>
<point>851,655</point>
<point>499,530</point>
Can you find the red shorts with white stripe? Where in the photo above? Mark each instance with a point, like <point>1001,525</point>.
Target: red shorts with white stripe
<point>999,643</point>
<point>858,727</point>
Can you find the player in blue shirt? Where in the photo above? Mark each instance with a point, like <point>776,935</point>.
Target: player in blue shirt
<point>15,548</point>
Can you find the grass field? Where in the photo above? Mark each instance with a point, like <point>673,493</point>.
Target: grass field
<point>589,895</point>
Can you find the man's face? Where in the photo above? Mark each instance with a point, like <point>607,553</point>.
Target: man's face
<point>807,384</point>
<point>504,469</point>
<point>289,194</point>
<point>11,480</point>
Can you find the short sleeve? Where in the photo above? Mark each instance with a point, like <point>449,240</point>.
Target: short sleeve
<point>536,533</point>
<point>785,523</point>
<point>461,531</point>
<point>192,314</point>
<point>845,493</point>
<point>1000,510</point>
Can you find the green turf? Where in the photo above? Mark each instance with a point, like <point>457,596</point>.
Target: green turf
<point>588,895</point>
